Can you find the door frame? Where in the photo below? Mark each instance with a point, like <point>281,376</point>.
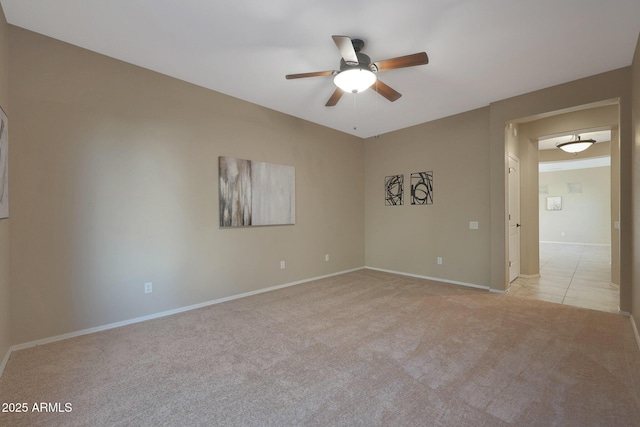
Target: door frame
<point>513,224</point>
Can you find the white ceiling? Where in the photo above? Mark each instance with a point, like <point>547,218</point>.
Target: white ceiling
<point>480,51</point>
<point>565,165</point>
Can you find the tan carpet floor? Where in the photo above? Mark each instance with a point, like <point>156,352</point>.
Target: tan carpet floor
<point>360,349</point>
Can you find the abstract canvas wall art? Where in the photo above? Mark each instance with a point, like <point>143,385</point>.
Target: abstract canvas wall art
<point>422,188</point>
<point>554,203</point>
<point>4,165</point>
<point>393,190</point>
<point>255,193</point>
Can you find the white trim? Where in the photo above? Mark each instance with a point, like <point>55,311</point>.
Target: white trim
<point>635,331</point>
<point>4,362</point>
<point>498,291</point>
<point>529,276</point>
<point>167,313</point>
<point>437,279</point>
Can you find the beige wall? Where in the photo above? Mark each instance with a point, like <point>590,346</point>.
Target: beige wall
<point>409,238</point>
<point>5,340</point>
<point>585,216</point>
<point>114,184</point>
<point>636,183</point>
<point>607,86</point>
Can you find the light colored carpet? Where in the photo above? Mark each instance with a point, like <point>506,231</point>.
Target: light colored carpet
<point>364,348</point>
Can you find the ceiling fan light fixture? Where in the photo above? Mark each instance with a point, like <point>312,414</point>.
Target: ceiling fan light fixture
<point>355,80</point>
<point>576,146</point>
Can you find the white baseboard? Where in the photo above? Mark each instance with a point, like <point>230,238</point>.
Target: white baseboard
<point>4,362</point>
<point>529,276</point>
<point>164,313</point>
<point>635,331</point>
<point>437,279</point>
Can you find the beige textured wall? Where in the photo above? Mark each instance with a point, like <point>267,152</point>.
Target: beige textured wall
<point>408,238</point>
<point>114,183</point>
<point>636,183</point>
<point>5,340</point>
<point>614,84</point>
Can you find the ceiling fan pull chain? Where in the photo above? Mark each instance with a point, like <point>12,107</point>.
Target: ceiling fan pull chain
<point>355,112</point>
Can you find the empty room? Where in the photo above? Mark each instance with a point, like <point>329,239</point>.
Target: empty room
<point>316,213</point>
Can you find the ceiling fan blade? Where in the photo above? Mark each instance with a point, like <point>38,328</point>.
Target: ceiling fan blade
<point>386,91</point>
<point>314,74</point>
<point>345,46</point>
<point>402,61</point>
<point>337,94</point>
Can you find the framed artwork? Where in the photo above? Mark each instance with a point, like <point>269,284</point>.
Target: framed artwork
<point>393,190</point>
<point>422,188</point>
<point>554,203</point>
<point>4,165</point>
<point>255,193</point>
<point>574,187</point>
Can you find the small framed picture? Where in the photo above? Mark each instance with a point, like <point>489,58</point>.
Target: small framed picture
<point>393,190</point>
<point>554,203</point>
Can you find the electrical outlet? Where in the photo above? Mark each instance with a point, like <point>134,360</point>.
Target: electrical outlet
<point>473,225</point>
<point>440,260</point>
<point>282,265</point>
<point>148,288</point>
<point>326,257</point>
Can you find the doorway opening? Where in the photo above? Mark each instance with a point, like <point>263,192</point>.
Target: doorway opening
<point>570,209</point>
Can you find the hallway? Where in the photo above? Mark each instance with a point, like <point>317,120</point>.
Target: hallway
<point>572,274</point>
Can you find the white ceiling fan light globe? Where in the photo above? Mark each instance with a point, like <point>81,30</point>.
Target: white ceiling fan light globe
<point>355,80</point>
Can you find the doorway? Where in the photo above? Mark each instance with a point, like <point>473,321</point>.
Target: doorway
<point>572,262</point>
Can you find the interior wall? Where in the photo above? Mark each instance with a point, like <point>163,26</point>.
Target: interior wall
<point>636,182</point>
<point>410,238</point>
<point>585,216</point>
<point>614,84</point>
<point>5,332</point>
<point>114,184</point>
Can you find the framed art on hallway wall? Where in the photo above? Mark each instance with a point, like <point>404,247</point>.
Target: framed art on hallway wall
<point>554,203</point>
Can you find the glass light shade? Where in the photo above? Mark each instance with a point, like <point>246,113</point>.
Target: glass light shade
<point>575,146</point>
<point>354,80</point>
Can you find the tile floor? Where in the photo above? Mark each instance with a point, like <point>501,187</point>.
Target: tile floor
<point>572,274</point>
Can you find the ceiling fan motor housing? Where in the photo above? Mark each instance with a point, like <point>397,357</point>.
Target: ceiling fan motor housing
<point>364,62</point>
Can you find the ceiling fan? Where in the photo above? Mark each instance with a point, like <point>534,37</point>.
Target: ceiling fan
<point>358,73</point>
